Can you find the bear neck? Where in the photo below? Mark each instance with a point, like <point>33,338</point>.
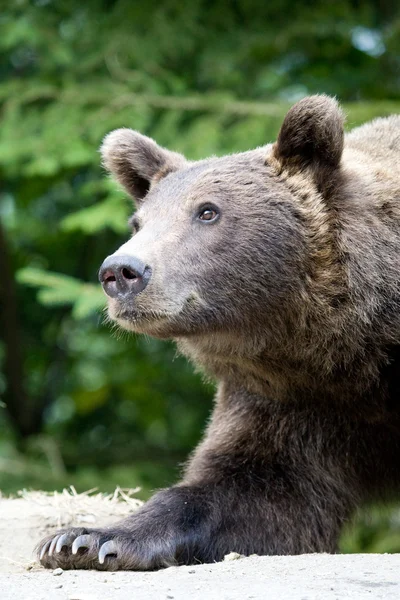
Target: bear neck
<point>335,372</point>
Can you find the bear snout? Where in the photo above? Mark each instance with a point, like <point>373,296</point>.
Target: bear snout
<point>122,275</point>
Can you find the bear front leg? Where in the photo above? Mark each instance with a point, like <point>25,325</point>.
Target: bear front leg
<point>174,527</point>
<point>201,523</point>
<point>267,479</point>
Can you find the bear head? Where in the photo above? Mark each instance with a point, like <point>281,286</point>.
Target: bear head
<point>237,251</point>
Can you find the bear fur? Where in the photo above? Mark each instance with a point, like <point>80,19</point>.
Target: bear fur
<point>277,271</point>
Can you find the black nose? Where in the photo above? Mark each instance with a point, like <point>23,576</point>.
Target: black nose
<point>122,275</point>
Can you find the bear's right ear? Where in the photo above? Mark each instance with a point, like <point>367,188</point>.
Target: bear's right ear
<point>311,134</point>
<point>136,161</point>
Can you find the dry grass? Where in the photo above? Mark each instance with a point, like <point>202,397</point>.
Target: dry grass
<point>87,507</point>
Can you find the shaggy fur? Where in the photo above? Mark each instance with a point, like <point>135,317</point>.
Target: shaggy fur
<point>290,298</point>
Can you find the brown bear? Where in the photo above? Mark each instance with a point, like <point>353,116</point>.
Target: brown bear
<point>278,272</point>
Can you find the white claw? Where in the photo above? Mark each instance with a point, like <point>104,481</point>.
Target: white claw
<point>106,549</point>
<point>62,541</point>
<point>82,541</point>
<point>53,545</point>
<point>44,549</point>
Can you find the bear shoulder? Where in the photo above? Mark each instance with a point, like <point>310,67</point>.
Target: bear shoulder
<point>378,141</point>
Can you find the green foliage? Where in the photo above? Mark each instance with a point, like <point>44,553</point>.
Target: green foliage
<point>57,289</point>
<point>202,78</point>
<point>376,529</point>
<point>112,212</point>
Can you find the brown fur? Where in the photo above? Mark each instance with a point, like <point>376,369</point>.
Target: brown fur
<point>291,300</point>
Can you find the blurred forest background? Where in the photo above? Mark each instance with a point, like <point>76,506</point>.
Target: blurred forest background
<point>79,404</point>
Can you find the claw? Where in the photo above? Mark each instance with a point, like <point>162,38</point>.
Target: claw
<point>82,541</point>
<point>44,549</point>
<point>62,541</point>
<point>53,545</point>
<point>106,549</point>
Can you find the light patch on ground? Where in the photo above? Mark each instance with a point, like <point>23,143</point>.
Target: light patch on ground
<point>25,520</point>
<point>33,515</point>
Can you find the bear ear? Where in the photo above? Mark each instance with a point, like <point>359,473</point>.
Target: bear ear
<point>136,161</point>
<point>311,134</point>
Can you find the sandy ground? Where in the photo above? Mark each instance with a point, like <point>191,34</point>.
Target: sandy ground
<point>309,577</point>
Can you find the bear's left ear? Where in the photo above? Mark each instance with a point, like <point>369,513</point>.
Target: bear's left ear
<point>137,161</point>
<point>311,134</point>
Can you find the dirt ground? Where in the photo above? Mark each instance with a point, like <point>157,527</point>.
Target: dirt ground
<point>25,520</point>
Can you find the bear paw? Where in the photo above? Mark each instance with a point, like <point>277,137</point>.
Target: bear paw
<point>101,549</point>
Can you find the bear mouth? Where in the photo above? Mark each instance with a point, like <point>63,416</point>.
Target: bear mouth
<point>159,324</point>
<point>154,322</point>
<point>137,315</point>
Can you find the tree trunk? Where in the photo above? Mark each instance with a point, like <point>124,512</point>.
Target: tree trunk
<point>25,419</point>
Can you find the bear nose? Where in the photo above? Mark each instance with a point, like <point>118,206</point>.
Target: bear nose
<point>121,275</point>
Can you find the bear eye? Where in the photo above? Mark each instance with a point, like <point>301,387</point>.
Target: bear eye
<point>208,213</point>
<point>134,224</point>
